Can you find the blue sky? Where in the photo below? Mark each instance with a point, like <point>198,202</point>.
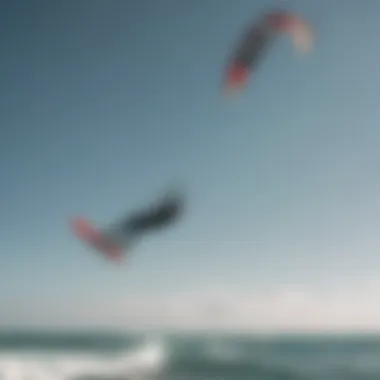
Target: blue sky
<point>106,104</point>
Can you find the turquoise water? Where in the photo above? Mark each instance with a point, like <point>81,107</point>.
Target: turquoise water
<point>187,357</point>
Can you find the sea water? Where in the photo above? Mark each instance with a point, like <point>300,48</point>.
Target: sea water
<point>50,356</point>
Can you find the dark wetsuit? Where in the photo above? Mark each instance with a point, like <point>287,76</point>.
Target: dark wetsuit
<point>153,219</point>
<point>131,228</point>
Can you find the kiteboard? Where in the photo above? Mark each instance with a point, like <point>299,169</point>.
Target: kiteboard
<point>95,238</point>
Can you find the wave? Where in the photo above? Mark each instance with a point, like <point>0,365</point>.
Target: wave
<point>178,357</point>
<point>246,358</point>
<point>141,362</point>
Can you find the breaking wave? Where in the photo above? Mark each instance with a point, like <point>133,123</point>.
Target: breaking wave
<point>178,357</point>
<point>140,362</point>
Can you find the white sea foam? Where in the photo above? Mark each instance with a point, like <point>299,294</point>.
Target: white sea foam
<point>142,362</point>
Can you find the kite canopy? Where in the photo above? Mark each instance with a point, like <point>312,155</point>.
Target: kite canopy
<point>257,40</point>
<point>298,29</point>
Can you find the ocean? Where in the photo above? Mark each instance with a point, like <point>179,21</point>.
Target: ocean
<point>50,356</point>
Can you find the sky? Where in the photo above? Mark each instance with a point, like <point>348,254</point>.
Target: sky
<point>106,105</point>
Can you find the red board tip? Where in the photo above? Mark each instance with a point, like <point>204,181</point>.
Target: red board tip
<point>93,237</point>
